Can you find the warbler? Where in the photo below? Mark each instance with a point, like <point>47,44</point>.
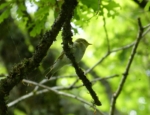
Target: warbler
<point>78,49</point>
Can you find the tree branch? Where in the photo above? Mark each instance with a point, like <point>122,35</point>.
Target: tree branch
<point>28,65</point>
<point>124,77</point>
<point>106,55</point>
<point>106,33</point>
<point>142,3</point>
<point>46,89</point>
<point>38,92</point>
<point>102,59</point>
<point>66,35</point>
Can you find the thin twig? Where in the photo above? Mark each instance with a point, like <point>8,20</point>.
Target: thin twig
<point>46,89</point>
<point>93,81</point>
<point>101,60</point>
<point>26,97</point>
<point>146,32</point>
<point>124,77</point>
<point>123,48</point>
<point>41,82</point>
<point>106,33</point>
<point>147,26</point>
<point>107,54</point>
<point>73,84</point>
<point>104,78</point>
<point>58,77</point>
<point>35,92</point>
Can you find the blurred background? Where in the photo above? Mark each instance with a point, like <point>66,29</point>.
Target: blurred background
<point>109,25</point>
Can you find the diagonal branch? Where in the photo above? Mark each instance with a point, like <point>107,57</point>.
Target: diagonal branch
<point>28,65</point>
<point>53,89</point>
<point>124,77</point>
<point>36,90</point>
<point>67,34</point>
<point>103,58</point>
<point>106,55</point>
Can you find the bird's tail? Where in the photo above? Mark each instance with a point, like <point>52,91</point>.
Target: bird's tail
<point>49,74</point>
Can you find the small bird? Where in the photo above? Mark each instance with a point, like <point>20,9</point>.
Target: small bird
<point>78,49</point>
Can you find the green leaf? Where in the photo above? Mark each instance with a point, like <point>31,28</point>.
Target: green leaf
<point>40,14</point>
<point>4,15</point>
<point>2,6</point>
<point>21,9</point>
<point>39,25</point>
<point>111,8</point>
<point>147,7</point>
<point>111,5</point>
<point>91,4</point>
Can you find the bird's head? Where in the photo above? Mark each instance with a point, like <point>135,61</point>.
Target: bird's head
<point>82,41</point>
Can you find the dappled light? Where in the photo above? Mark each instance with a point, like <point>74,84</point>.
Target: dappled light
<point>74,57</point>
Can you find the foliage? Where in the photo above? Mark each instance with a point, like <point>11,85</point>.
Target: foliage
<point>110,25</point>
